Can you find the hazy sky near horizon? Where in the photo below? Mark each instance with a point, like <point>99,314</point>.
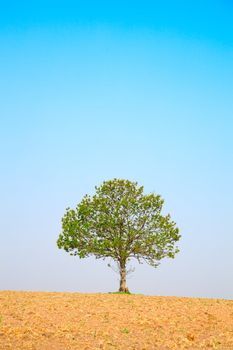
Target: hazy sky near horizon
<point>94,90</point>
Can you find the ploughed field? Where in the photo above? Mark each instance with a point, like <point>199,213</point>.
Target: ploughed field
<point>63,321</point>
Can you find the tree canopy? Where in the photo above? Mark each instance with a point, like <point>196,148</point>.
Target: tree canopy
<point>120,222</point>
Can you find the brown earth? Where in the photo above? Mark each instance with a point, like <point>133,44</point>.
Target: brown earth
<point>63,321</point>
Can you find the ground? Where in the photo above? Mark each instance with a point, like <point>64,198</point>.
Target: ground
<point>73,321</point>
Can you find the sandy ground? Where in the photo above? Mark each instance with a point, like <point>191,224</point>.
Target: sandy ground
<point>63,321</point>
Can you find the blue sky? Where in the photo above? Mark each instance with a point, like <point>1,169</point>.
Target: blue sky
<point>95,90</point>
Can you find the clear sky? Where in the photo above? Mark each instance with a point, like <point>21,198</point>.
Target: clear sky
<point>94,90</point>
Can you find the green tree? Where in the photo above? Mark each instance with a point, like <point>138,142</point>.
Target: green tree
<point>120,222</point>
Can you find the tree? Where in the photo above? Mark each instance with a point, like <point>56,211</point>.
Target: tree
<point>120,222</point>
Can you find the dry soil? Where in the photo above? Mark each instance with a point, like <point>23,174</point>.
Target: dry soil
<point>63,321</point>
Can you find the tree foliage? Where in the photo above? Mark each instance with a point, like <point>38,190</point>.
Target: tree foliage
<point>121,222</point>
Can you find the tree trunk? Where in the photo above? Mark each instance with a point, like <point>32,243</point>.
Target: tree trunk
<point>123,287</point>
